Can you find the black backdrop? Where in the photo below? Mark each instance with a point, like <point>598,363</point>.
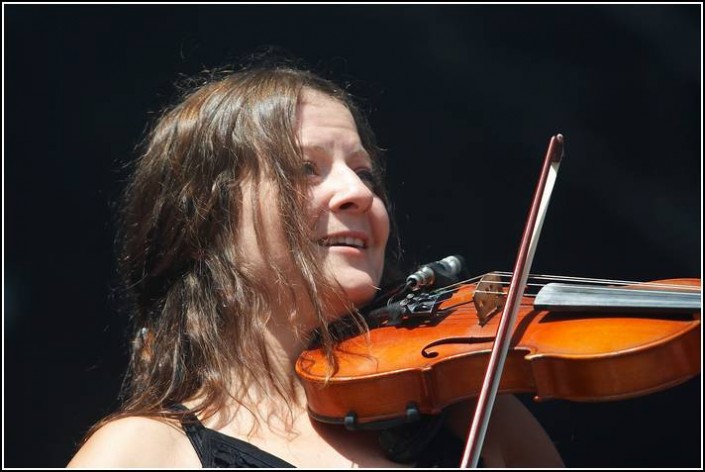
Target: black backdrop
<point>464,98</point>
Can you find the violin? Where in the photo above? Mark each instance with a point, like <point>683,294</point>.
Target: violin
<point>574,339</point>
<point>570,338</point>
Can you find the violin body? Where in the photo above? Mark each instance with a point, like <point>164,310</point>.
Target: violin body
<point>425,366</point>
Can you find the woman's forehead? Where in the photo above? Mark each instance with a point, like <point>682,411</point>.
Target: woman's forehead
<point>313,103</point>
<point>320,119</point>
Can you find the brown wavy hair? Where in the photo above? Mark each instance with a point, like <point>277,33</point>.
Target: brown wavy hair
<point>190,293</point>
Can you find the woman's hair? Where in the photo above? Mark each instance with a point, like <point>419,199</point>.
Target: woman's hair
<point>198,312</point>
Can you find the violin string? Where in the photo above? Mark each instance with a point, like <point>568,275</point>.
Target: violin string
<point>451,287</point>
<point>615,289</point>
<point>585,280</point>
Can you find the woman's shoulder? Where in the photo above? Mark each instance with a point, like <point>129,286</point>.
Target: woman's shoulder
<point>137,441</point>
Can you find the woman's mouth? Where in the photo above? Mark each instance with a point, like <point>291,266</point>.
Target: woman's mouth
<point>348,241</point>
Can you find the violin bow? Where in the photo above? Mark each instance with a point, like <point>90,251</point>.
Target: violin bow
<point>525,257</point>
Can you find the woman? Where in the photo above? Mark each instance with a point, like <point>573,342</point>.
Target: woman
<point>255,217</point>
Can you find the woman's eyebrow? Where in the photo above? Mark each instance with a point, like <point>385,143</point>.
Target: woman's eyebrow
<point>314,147</point>
<point>361,153</point>
<point>320,148</point>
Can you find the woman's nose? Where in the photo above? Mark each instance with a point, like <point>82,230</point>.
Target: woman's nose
<point>349,192</point>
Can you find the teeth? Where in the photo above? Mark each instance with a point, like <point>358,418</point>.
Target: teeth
<point>343,241</point>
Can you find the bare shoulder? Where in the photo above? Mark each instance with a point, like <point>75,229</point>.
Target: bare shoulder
<point>137,442</point>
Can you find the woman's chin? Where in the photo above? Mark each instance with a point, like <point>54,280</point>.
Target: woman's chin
<point>360,295</point>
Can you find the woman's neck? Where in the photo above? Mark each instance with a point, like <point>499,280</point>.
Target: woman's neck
<point>285,342</point>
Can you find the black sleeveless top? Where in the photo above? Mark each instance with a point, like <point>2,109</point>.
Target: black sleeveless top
<point>424,443</point>
<point>216,449</point>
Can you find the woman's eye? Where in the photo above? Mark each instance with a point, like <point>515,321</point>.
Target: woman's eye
<point>309,168</point>
<point>368,176</point>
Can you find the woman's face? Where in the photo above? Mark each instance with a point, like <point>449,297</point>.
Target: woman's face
<point>349,223</point>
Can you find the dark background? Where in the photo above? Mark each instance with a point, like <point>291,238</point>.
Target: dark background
<point>465,99</point>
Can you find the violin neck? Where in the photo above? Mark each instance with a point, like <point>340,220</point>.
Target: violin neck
<point>571,298</point>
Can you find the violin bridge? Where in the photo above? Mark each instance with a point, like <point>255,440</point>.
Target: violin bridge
<point>489,297</point>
